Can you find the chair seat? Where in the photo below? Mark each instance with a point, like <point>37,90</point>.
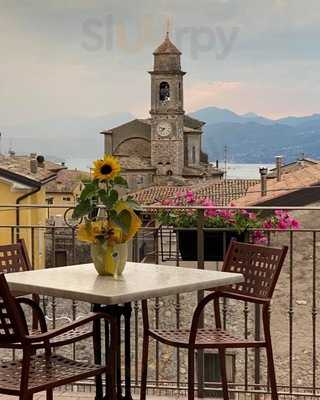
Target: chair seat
<point>206,338</point>
<point>54,370</point>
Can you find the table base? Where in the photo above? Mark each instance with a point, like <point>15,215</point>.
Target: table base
<point>116,312</point>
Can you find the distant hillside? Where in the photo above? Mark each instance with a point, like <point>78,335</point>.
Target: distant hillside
<point>251,138</point>
<point>62,137</point>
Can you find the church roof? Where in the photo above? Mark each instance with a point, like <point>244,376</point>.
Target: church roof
<point>190,125</point>
<point>192,122</point>
<point>167,47</point>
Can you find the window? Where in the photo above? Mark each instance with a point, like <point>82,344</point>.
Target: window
<point>212,370</point>
<point>139,180</point>
<point>193,154</point>
<point>60,258</point>
<point>49,200</point>
<point>169,172</point>
<point>164,92</point>
<point>66,198</point>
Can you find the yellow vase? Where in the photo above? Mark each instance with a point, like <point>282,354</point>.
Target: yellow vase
<point>109,260</point>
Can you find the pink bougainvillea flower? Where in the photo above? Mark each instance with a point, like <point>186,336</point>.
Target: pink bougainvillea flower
<point>295,224</point>
<point>190,198</point>
<point>268,225</point>
<point>283,225</point>
<point>259,237</point>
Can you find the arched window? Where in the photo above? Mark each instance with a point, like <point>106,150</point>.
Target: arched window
<point>193,154</point>
<point>169,172</point>
<point>164,92</point>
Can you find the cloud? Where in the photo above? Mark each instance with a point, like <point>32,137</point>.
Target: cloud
<point>202,94</point>
<point>45,70</point>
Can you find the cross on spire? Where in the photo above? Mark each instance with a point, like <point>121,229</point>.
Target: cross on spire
<point>168,26</point>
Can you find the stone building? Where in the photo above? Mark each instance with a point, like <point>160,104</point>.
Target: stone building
<point>165,148</point>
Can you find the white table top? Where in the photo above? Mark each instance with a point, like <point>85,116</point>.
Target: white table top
<point>139,281</point>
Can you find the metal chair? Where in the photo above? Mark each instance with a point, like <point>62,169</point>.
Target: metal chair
<point>260,266</point>
<point>14,258</point>
<point>37,372</point>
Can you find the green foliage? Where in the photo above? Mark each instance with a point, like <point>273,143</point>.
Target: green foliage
<point>106,194</point>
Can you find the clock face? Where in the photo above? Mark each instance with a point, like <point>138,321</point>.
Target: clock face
<point>164,128</point>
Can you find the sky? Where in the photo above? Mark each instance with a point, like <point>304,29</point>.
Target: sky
<point>62,58</point>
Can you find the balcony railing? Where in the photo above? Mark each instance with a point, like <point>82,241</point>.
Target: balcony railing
<point>294,313</point>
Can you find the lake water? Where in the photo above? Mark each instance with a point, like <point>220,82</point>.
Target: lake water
<point>244,171</point>
<point>234,171</point>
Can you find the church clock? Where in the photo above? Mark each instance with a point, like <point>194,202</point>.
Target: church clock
<point>164,129</point>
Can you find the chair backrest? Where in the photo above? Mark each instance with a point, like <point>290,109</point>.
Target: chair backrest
<point>260,266</point>
<point>13,326</point>
<point>14,257</point>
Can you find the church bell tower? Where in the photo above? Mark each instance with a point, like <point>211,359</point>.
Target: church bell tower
<point>167,114</point>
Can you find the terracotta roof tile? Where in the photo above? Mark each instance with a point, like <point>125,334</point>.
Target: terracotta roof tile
<point>290,182</point>
<point>66,181</point>
<point>20,166</point>
<point>221,193</point>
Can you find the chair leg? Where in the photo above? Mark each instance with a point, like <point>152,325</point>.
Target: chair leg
<point>191,374</point>
<point>223,371</point>
<point>271,369</point>
<point>49,394</point>
<point>144,366</point>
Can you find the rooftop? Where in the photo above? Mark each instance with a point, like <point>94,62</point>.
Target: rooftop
<point>66,181</point>
<point>167,47</point>
<point>18,168</point>
<point>221,193</point>
<point>303,177</point>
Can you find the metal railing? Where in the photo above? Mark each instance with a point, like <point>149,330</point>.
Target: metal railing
<point>294,314</point>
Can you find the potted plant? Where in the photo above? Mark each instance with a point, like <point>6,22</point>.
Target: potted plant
<point>109,222</point>
<point>228,225</point>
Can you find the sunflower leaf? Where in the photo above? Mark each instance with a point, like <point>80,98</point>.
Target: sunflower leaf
<point>133,203</point>
<point>88,191</point>
<point>108,200</point>
<point>120,181</point>
<point>82,209</point>
<point>123,220</point>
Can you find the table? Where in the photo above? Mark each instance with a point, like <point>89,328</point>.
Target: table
<point>139,281</point>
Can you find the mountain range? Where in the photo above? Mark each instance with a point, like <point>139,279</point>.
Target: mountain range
<point>250,138</point>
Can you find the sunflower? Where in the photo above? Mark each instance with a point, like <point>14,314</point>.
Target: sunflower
<point>106,169</point>
<point>85,233</point>
<point>135,220</point>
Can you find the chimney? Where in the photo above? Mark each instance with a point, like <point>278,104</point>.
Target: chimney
<point>279,160</point>
<point>33,163</point>
<point>40,161</point>
<point>217,164</point>
<point>263,174</point>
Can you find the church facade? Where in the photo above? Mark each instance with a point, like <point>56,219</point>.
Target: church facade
<point>165,148</point>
